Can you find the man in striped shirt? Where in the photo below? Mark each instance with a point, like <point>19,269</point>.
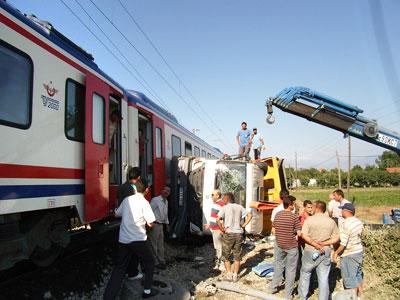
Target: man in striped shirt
<point>351,250</point>
<point>287,228</point>
<point>213,226</point>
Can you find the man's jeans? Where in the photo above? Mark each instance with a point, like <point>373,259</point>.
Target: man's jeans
<point>285,260</point>
<point>323,266</point>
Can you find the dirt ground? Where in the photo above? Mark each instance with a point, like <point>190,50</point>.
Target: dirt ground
<point>84,276</point>
<point>193,266</point>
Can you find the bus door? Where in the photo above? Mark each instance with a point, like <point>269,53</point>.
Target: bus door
<point>96,149</point>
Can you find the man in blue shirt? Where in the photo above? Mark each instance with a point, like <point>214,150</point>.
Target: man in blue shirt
<point>243,139</point>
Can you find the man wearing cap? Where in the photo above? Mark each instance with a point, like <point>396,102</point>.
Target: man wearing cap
<point>258,143</point>
<point>351,250</point>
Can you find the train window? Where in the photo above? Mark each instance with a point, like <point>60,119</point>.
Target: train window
<point>203,153</point>
<point>208,155</point>
<point>196,151</point>
<point>75,111</point>
<point>188,149</point>
<point>16,69</point>
<point>159,142</point>
<point>98,119</point>
<point>176,146</point>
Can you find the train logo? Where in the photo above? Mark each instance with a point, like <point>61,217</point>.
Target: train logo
<point>51,91</point>
<point>48,101</point>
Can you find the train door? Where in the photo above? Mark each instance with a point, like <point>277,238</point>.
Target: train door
<point>146,147</point>
<point>159,157</point>
<point>114,149</point>
<point>96,149</point>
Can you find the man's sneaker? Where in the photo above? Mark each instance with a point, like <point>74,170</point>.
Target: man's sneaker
<point>137,277</point>
<point>228,276</point>
<point>152,294</point>
<point>235,277</point>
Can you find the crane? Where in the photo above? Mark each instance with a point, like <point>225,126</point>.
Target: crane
<point>319,108</point>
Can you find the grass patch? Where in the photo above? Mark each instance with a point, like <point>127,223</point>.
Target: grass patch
<point>363,196</point>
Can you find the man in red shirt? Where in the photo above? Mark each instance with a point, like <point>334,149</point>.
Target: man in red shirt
<point>307,212</point>
<point>213,226</point>
<point>287,229</point>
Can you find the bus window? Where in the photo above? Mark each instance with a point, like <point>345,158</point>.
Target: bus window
<point>176,146</point>
<point>188,149</point>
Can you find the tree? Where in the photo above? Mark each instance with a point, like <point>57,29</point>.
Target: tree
<point>388,159</point>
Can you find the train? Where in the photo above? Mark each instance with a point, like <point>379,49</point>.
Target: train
<point>62,153</point>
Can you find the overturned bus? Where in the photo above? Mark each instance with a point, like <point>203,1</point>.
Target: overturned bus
<point>255,185</point>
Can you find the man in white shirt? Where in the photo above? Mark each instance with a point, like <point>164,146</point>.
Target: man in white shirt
<point>159,205</point>
<point>257,142</point>
<point>338,195</point>
<point>136,213</point>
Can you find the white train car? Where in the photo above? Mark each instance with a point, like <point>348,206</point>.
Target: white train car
<point>61,158</point>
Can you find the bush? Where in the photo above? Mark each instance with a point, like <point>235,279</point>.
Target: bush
<point>382,262</point>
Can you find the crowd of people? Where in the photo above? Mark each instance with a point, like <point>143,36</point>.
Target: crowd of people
<point>313,241</point>
<point>303,243</point>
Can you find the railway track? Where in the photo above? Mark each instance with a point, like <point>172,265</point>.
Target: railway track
<point>80,268</point>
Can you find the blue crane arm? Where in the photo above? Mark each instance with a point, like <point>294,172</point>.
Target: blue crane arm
<point>333,113</point>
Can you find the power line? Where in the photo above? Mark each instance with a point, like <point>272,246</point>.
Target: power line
<point>104,45</point>
<point>324,161</point>
<point>155,69</point>
<point>168,65</point>
<point>149,89</point>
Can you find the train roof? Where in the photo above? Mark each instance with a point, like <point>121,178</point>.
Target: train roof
<point>140,98</point>
<point>48,31</point>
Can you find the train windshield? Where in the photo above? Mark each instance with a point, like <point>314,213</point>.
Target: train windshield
<point>231,177</point>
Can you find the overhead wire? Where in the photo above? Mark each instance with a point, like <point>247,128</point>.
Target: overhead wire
<point>156,71</point>
<point>168,65</point>
<point>105,46</point>
<point>149,88</point>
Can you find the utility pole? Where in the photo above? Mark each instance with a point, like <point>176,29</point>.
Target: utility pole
<point>338,167</point>
<point>348,171</point>
<point>295,170</point>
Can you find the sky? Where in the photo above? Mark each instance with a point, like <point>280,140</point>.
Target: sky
<point>231,56</point>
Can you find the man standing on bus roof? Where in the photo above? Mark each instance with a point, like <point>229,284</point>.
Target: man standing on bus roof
<point>243,139</point>
<point>257,142</point>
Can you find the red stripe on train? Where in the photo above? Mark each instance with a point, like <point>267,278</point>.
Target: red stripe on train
<point>24,171</point>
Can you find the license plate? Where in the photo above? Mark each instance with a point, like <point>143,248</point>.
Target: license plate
<point>387,140</point>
